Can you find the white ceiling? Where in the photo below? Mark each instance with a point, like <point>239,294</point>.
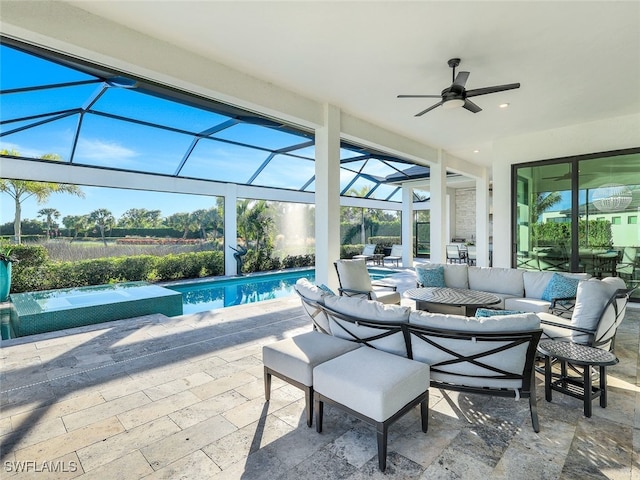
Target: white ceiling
<point>576,61</point>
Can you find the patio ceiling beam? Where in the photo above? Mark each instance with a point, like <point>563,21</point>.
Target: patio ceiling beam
<point>58,116</point>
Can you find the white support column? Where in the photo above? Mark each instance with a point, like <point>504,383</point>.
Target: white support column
<point>230,228</point>
<point>482,219</point>
<point>407,226</point>
<point>328,196</point>
<point>438,201</point>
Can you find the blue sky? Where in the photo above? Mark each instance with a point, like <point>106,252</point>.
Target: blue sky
<point>115,200</point>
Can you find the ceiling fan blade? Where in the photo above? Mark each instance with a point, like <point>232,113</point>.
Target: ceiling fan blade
<point>428,109</point>
<point>461,78</point>
<point>472,107</point>
<point>498,88</point>
<point>419,96</point>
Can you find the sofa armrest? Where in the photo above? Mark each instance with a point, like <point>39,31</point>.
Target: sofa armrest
<point>563,307</point>
<point>567,327</point>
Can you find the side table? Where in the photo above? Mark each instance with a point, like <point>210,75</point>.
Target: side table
<point>581,355</point>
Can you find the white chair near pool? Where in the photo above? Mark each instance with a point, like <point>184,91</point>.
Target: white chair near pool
<point>355,280</point>
<point>394,256</point>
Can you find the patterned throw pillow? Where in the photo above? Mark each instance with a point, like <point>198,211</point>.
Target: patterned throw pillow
<point>431,277</point>
<point>560,287</point>
<point>487,312</point>
<point>326,289</point>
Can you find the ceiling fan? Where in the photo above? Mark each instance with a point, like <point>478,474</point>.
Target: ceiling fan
<point>456,95</point>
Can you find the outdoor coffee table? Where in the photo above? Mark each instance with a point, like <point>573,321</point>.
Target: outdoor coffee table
<point>460,301</point>
<point>576,354</point>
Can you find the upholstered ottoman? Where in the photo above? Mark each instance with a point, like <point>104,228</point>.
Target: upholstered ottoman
<point>374,386</point>
<point>293,360</point>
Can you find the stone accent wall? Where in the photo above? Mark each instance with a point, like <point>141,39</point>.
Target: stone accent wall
<point>465,213</point>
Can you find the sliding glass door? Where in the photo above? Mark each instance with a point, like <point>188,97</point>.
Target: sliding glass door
<point>579,214</point>
<point>543,217</point>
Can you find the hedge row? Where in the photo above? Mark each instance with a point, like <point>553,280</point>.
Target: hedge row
<point>35,271</point>
<point>51,275</point>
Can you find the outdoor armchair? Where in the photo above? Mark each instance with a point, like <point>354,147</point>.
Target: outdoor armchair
<point>394,256</point>
<point>355,281</point>
<point>367,252</point>
<point>599,309</point>
<point>454,255</point>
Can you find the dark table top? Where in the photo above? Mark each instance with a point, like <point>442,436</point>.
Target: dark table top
<point>452,296</point>
<point>576,353</point>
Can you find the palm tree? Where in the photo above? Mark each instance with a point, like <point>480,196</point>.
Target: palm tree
<point>76,222</point>
<point>21,190</point>
<point>543,202</point>
<point>255,222</point>
<point>206,219</point>
<point>140,218</point>
<point>104,220</point>
<point>49,214</point>
<point>180,221</point>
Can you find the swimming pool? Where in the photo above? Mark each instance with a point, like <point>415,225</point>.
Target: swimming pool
<point>211,295</point>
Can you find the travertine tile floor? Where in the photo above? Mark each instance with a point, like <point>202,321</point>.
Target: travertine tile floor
<point>183,397</point>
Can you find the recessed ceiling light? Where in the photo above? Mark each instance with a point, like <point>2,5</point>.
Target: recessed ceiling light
<point>503,105</point>
<point>476,151</point>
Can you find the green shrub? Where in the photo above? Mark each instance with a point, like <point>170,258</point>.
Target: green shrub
<point>29,255</point>
<point>67,275</point>
<point>384,242</point>
<point>260,261</point>
<point>292,261</point>
<point>30,279</point>
<point>136,268</point>
<point>212,263</point>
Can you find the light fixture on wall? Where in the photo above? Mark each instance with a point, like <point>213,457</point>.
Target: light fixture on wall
<point>611,197</point>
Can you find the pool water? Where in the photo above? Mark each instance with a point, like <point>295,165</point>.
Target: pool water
<point>211,295</point>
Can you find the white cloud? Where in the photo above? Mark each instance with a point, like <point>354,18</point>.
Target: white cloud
<point>95,149</point>
<point>21,149</point>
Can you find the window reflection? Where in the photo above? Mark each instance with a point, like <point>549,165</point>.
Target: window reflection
<point>608,200</point>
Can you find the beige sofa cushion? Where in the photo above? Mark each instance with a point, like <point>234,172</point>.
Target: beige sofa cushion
<point>507,281</point>
<point>367,310</point>
<point>456,276</point>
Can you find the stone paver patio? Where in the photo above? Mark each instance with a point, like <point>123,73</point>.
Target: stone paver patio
<point>183,397</point>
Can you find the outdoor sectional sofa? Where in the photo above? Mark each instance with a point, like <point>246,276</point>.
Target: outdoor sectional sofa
<point>492,355</point>
<point>378,361</point>
<point>520,290</point>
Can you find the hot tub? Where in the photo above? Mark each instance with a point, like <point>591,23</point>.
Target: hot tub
<point>52,310</point>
